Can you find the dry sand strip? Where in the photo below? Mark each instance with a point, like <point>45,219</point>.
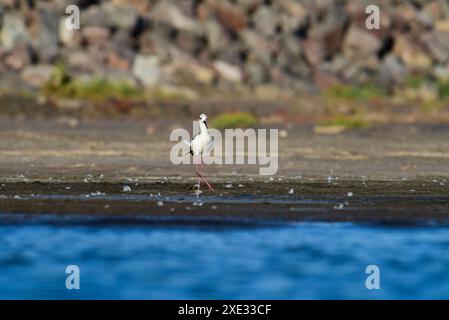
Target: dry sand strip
<point>386,202</point>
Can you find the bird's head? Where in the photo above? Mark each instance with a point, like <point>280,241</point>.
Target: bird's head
<point>203,117</point>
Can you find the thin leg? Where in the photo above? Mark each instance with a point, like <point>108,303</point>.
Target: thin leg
<point>200,174</point>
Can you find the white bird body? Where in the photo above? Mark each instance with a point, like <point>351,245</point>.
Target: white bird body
<point>203,141</point>
<point>200,144</point>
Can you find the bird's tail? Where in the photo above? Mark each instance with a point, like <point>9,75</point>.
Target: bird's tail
<point>190,145</point>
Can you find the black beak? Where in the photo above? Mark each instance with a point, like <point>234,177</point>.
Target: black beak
<point>205,123</point>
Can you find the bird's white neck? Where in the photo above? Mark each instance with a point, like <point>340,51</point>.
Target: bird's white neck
<point>203,127</point>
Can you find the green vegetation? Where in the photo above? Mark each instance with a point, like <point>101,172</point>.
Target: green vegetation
<point>99,89</point>
<point>234,120</point>
<point>417,81</point>
<point>348,92</point>
<point>443,88</point>
<point>414,81</point>
<point>346,122</point>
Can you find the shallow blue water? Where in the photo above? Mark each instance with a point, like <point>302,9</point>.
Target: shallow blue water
<point>294,261</point>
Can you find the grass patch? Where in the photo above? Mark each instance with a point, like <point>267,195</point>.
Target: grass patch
<point>232,120</point>
<point>348,92</point>
<point>100,89</point>
<point>443,88</point>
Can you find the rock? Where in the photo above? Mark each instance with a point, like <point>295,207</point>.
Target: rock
<point>190,43</point>
<point>230,17</point>
<point>314,51</point>
<point>228,72</point>
<point>323,79</point>
<point>437,43</point>
<point>265,21</point>
<point>146,70</point>
<point>18,58</point>
<point>257,45</point>
<point>117,61</point>
<point>233,53</point>
<point>13,31</point>
<point>37,75</point>
<point>442,26</point>
<point>168,13</point>
<point>360,44</point>
<point>441,72</point>
<point>391,71</point>
<point>45,39</point>
<point>217,39</point>
<point>187,71</point>
<point>141,7</point>
<point>83,61</point>
<point>255,73</point>
<point>121,16</point>
<point>413,56</point>
<point>94,16</point>
<point>96,36</point>
<point>293,9</point>
<point>69,37</point>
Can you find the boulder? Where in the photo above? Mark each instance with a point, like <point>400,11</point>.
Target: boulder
<point>95,16</point>
<point>217,39</point>
<point>168,13</point>
<point>96,36</point>
<point>68,37</point>
<point>228,72</point>
<point>13,31</point>
<point>411,54</point>
<point>18,58</point>
<point>37,75</point>
<point>360,44</point>
<point>257,45</point>
<point>391,71</point>
<point>229,16</point>
<point>83,61</point>
<point>45,39</point>
<point>437,43</point>
<point>121,15</point>
<point>146,69</point>
<point>265,21</point>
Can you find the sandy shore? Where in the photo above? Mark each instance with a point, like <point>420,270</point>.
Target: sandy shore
<point>389,174</point>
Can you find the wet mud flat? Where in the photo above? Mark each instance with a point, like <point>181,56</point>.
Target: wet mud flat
<point>243,201</point>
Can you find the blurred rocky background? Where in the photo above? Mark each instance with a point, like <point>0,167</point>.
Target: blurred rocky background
<point>130,53</point>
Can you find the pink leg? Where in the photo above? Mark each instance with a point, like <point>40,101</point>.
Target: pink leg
<point>197,171</point>
<point>200,174</point>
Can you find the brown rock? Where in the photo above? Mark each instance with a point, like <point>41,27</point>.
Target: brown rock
<point>96,36</point>
<point>413,56</point>
<point>229,16</point>
<point>83,61</point>
<point>314,51</point>
<point>169,14</point>
<point>18,58</point>
<point>228,72</point>
<point>116,61</point>
<point>437,43</point>
<point>323,79</point>
<point>38,75</point>
<point>360,44</point>
<point>257,45</point>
